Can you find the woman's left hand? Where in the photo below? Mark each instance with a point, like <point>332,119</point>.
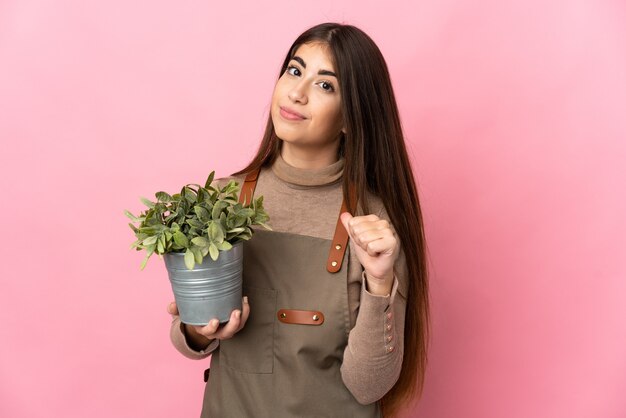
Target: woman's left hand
<point>376,248</point>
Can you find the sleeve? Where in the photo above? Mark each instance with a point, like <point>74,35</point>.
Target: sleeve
<point>179,340</point>
<point>373,357</point>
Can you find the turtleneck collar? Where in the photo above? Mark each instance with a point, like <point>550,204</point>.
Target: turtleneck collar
<point>307,176</point>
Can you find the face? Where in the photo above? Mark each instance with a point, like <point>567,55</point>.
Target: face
<point>306,104</point>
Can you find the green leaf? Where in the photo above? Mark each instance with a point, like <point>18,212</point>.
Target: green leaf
<point>247,212</point>
<point>200,241</point>
<point>159,210</point>
<point>131,216</point>
<point>189,259</point>
<point>240,220</point>
<point>246,235</point>
<point>147,202</point>
<point>234,191</point>
<point>161,245</point>
<point>216,233</point>
<point>181,239</point>
<point>214,252</point>
<point>195,223</point>
<point>163,197</point>
<point>224,246</point>
<point>151,230</point>
<point>217,209</point>
<point>197,253</point>
<point>230,187</point>
<point>150,240</point>
<point>150,249</point>
<point>202,213</point>
<point>143,262</point>
<point>261,218</point>
<point>190,194</point>
<point>209,180</point>
<point>183,207</point>
<point>265,226</point>
<point>203,195</point>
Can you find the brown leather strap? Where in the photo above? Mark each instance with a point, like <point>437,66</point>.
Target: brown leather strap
<point>338,246</point>
<point>247,190</point>
<point>340,239</point>
<point>293,316</point>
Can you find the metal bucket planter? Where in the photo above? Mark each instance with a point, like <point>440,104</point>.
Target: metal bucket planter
<point>211,290</point>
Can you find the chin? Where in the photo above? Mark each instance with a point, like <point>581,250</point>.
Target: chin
<point>284,134</point>
<point>285,138</point>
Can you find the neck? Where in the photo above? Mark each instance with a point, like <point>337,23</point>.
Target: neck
<point>309,158</point>
<point>303,177</point>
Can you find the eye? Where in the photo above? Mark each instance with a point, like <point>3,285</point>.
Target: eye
<point>294,70</point>
<point>326,86</point>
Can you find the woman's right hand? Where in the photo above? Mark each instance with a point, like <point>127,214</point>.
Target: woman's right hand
<point>204,334</point>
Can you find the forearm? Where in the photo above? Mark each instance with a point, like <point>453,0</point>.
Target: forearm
<point>373,358</point>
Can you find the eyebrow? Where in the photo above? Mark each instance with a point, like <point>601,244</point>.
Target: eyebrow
<point>320,72</point>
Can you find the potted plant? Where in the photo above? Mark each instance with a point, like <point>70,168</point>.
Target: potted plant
<point>188,226</point>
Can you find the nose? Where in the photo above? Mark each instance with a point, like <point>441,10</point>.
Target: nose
<point>298,93</point>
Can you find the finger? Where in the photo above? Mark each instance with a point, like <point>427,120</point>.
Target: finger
<point>356,225</point>
<point>244,313</point>
<point>345,220</point>
<point>172,309</point>
<point>364,238</point>
<point>365,232</point>
<point>231,327</point>
<point>375,234</point>
<point>355,221</point>
<point>209,329</point>
<point>383,245</point>
<point>350,222</point>
<point>372,225</point>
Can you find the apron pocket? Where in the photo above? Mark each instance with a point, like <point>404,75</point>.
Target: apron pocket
<point>251,350</point>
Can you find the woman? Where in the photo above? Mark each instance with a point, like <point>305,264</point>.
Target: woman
<point>326,329</point>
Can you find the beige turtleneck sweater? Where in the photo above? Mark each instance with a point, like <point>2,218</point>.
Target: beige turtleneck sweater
<point>373,357</point>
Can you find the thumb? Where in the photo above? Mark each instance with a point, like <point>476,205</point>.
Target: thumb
<point>172,309</point>
<point>345,218</point>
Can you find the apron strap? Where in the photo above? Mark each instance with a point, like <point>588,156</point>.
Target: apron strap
<point>247,190</point>
<point>340,239</point>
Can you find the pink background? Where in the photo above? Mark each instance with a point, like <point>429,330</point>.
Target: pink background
<point>515,117</point>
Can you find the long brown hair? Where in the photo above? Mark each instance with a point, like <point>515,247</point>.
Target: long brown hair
<point>376,160</point>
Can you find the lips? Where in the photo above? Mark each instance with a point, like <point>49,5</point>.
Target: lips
<point>290,114</point>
